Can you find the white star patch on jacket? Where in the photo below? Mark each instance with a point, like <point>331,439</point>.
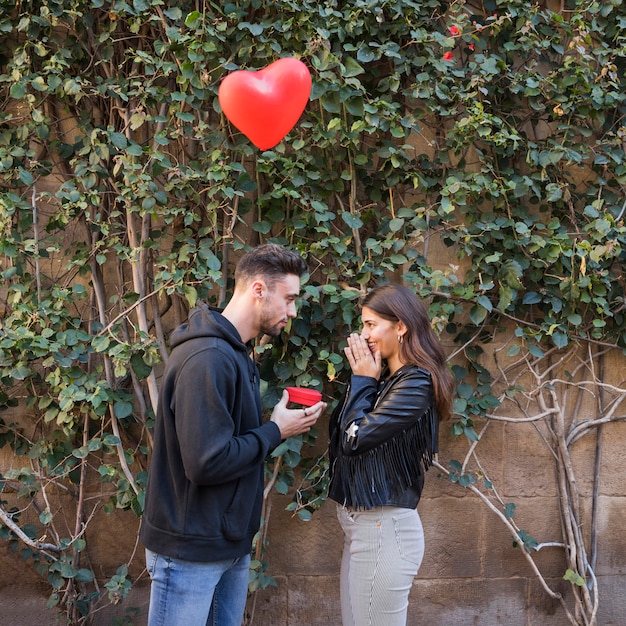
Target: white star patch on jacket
<point>352,430</point>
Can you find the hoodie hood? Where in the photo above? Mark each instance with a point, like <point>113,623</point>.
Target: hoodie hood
<point>205,321</point>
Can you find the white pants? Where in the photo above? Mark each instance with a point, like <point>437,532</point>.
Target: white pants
<point>383,551</point>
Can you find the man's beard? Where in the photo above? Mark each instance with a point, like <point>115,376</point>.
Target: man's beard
<point>272,331</point>
<point>268,327</point>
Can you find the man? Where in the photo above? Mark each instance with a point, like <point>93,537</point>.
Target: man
<point>205,490</point>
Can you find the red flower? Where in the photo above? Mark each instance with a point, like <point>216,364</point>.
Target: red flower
<point>471,47</point>
<point>448,56</point>
<point>454,31</point>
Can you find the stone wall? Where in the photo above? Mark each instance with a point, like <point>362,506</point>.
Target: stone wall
<point>471,574</point>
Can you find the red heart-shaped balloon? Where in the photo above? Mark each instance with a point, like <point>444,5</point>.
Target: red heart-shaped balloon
<point>266,104</point>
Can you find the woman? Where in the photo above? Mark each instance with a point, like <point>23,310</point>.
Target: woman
<point>383,436</point>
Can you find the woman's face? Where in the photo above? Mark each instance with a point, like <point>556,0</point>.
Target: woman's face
<point>381,334</point>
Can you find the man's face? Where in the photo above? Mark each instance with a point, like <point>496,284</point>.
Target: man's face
<point>279,305</point>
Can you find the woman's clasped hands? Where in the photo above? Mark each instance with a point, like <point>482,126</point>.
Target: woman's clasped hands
<point>363,360</point>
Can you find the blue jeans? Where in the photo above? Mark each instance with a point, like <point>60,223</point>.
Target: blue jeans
<point>186,593</point>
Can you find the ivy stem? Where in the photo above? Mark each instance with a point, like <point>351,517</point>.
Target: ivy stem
<point>45,548</point>
<point>265,517</point>
<point>353,208</point>
<point>36,238</point>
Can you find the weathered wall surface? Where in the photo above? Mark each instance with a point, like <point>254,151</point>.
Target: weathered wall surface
<point>471,572</point>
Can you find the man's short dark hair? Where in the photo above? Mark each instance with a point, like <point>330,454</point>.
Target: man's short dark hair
<point>271,262</point>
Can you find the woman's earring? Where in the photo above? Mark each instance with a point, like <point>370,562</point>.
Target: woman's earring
<point>400,338</point>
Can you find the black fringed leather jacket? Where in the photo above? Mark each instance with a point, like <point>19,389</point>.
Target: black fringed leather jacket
<point>383,436</point>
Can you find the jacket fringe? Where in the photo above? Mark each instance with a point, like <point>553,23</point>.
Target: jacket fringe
<point>367,478</point>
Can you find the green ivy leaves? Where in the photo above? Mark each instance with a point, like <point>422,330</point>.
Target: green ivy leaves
<point>126,195</point>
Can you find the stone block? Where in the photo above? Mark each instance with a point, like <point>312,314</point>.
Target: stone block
<point>457,448</point>
<point>539,518</point>
<point>13,567</point>
<point>611,557</point>
<point>542,607</point>
<point>133,610</point>
<point>459,602</point>
<point>25,605</point>
<point>527,463</point>
<point>612,469</point>
<point>314,601</point>
<point>304,548</point>
<point>612,607</point>
<point>453,530</point>
<point>298,600</point>
<point>269,605</point>
<point>113,540</point>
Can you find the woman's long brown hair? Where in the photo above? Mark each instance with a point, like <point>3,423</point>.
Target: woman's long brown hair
<point>420,345</point>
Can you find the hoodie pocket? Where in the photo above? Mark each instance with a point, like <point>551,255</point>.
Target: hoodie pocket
<point>236,518</point>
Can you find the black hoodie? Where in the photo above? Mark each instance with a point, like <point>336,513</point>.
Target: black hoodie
<point>205,487</point>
